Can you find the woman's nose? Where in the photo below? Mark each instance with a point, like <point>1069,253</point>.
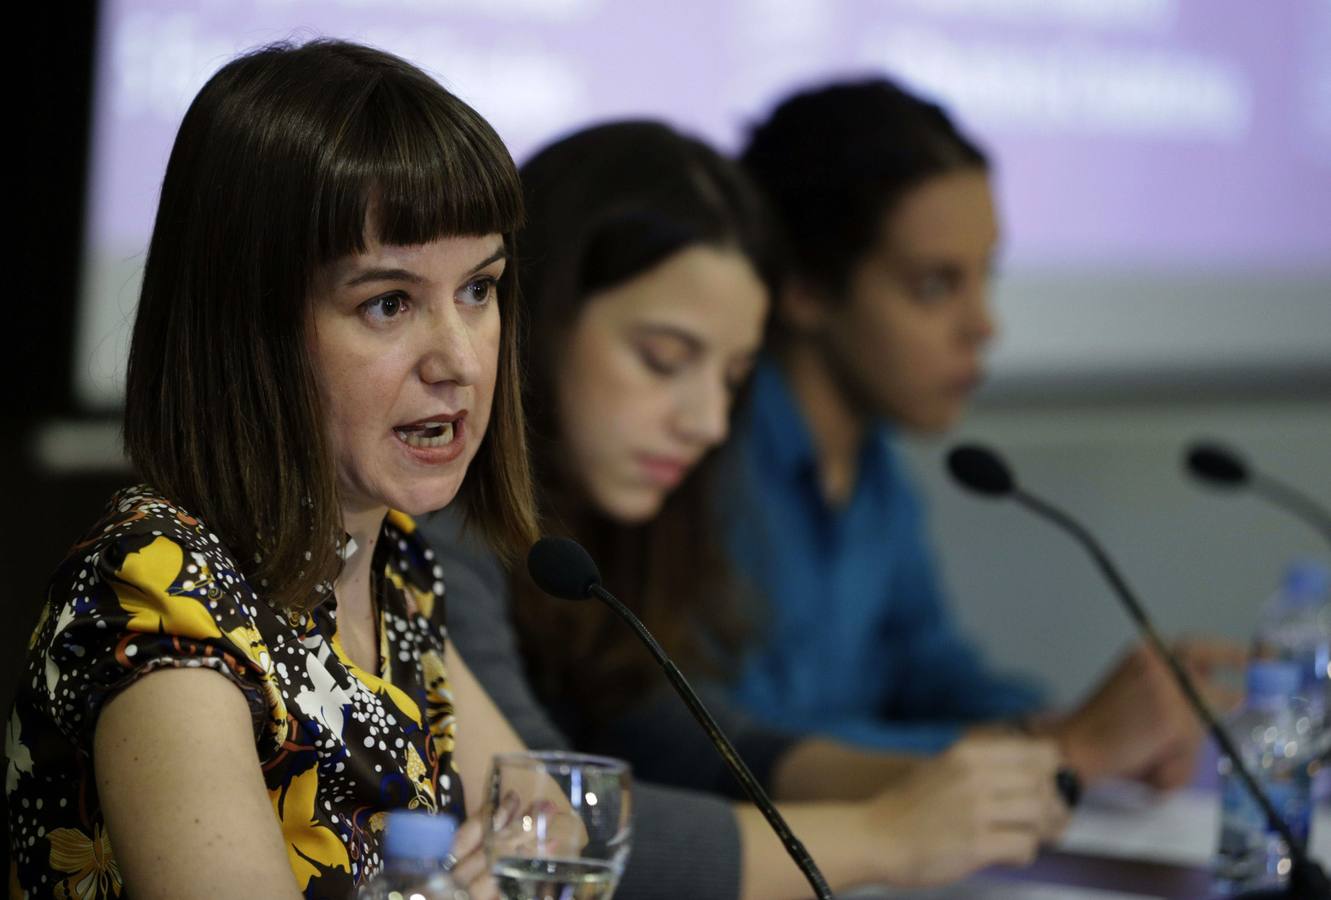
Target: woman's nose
<point>704,412</point>
<point>980,325</point>
<point>449,350</point>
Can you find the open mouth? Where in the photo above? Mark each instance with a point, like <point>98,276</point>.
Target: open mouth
<point>425,434</point>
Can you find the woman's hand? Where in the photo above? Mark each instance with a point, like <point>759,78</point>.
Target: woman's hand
<point>1138,725</point>
<point>988,800</point>
<point>472,871</point>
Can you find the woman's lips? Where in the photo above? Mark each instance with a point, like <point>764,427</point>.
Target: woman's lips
<point>435,441</point>
<point>664,471</point>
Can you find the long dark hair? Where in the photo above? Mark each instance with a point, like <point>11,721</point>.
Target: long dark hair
<point>275,165</point>
<point>604,206</point>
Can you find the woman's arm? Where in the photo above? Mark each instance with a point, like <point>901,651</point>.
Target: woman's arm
<point>987,801</point>
<point>181,788</point>
<point>482,730</point>
<point>818,768</point>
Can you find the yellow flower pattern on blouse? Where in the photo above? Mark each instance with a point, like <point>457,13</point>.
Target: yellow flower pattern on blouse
<point>152,587</point>
<point>379,685</point>
<point>91,870</point>
<point>420,779</point>
<point>250,642</point>
<point>438,702</point>
<point>310,845</point>
<point>146,588</point>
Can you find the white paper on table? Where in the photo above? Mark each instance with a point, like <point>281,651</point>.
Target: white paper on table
<point>1130,821</point>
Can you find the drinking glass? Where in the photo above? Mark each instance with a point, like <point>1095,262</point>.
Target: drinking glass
<point>559,826</point>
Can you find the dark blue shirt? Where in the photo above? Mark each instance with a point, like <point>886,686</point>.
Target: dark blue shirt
<point>856,640</point>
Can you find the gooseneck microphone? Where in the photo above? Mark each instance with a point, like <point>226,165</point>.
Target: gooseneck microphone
<point>562,568</point>
<point>982,471</point>
<point>1221,467</point>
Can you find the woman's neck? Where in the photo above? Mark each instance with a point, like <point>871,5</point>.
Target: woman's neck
<point>353,583</point>
<point>357,618</point>
<point>837,428</point>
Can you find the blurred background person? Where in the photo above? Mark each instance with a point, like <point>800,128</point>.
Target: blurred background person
<point>647,270</point>
<point>892,236</point>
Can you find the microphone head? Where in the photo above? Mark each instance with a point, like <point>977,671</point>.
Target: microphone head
<point>1216,464</point>
<point>562,568</point>
<point>981,470</point>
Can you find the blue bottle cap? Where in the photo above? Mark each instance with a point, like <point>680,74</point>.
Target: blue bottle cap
<point>1307,580</point>
<point>1271,680</point>
<point>415,835</point>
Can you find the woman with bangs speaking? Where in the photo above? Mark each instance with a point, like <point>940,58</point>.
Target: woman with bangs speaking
<point>242,666</point>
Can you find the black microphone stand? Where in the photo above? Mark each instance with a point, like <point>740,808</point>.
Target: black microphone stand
<point>1307,880</point>
<point>1219,466</point>
<point>732,758</point>
<point>1294,502</point>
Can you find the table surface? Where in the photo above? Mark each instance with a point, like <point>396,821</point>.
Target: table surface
<point>1124,843</point>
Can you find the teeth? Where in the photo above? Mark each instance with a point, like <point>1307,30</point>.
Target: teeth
<point>427,434</point>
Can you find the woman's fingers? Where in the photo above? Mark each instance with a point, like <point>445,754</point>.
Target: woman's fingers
<point>468,837</point>
<point>471,870</point>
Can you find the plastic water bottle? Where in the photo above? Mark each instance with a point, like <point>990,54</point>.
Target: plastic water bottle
<point>1296,627</point>
<point>1274,734</point>
<point>416,859</point>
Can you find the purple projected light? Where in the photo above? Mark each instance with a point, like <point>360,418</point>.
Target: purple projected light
<point>1129,135</point>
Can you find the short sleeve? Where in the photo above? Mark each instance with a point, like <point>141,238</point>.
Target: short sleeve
<point>144,601</point>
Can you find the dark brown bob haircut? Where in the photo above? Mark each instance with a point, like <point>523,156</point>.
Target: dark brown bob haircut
<point>276,163</point>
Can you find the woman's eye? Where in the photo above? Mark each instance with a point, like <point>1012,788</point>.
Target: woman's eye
<point>660,363</point>
<point>933,287</point>
<point>479,291</point>
<point>381,309</point>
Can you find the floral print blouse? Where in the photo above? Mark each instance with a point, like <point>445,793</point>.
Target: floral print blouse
<point>153,587</point>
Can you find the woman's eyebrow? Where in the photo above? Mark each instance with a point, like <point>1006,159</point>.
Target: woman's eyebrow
<point>500,252</point>
<point>384,275</point>
<point>399,274</point>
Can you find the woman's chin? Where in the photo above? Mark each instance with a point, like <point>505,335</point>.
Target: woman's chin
<point>631,506</point>
<point>424,499</point>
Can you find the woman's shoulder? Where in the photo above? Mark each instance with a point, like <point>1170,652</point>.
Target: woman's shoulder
<point>139,516</point>
<point>146,543</point>
<point>149,586</point>
<point>150,553</point>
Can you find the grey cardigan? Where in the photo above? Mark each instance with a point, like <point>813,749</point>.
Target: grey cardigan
<point>686,839</point>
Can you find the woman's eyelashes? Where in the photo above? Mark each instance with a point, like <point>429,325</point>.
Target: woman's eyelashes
<point>385,308</point>
<point>942,282</point>
<point>668,361</point>
<point>663,359</point>
<point>382,309</point>
<point>479,291</point>
<point>935,285</point>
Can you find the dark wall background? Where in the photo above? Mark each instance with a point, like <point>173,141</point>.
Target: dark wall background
<point>45,511</point>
